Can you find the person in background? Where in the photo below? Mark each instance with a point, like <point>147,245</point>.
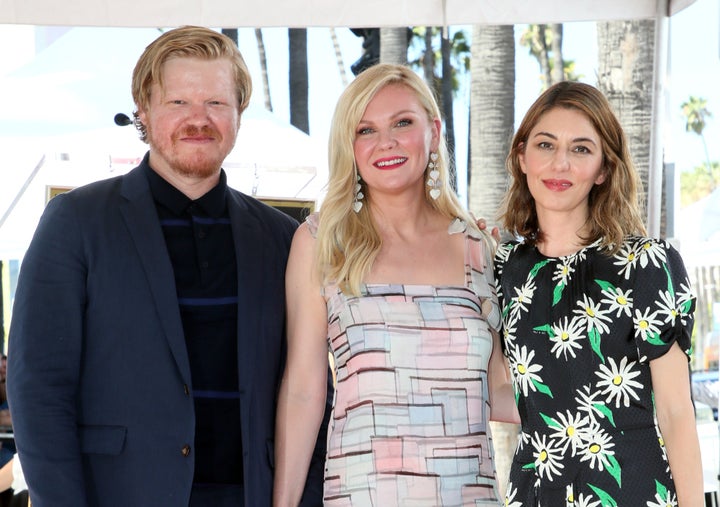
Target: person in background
<point>395,278</point>
<point>597,319</point>
<point>12,483</point>
<point>148,326</point>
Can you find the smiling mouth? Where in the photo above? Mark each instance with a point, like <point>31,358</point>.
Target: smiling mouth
<point>557,185</point>
<point>391,162</point>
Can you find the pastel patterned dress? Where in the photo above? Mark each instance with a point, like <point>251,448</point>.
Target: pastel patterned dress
<point>580,332</point>
<point>409,425</point>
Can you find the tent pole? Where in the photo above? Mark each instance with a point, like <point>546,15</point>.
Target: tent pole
<point>655,173</point>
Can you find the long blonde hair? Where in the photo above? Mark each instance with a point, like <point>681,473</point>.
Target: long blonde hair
<point>348,242</point>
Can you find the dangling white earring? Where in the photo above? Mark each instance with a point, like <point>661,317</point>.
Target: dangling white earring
<point>357,203</point>
<point>434,174</point>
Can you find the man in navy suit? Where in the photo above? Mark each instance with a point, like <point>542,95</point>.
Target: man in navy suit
<point>147,338</point>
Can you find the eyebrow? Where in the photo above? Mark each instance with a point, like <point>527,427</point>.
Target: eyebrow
<point>576,140</point>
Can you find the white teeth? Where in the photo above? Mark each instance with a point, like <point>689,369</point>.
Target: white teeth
<point>391,162</point>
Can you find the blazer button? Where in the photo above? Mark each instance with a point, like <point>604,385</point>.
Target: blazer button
<point>186,389</point>
<point>185,450</point>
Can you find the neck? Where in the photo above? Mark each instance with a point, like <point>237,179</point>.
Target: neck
<point>562,236</point>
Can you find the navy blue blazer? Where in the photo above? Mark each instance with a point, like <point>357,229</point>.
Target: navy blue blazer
<point>98,377</point>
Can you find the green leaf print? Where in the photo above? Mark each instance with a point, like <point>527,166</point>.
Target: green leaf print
<point>542,387</point>
<point>594,338</point>
<point>613,467</point>
<point>537,267</point>
<point>604,410</point>
<point>552,423</point>
<point>671,289</point>
<point>686,306</point>
<point>557,293</point>
<point>507,309</point>
<point>661,490</point>
<point>654,339</point>
<point>528,466</point>
<point>606,286</point>
<point>605,498</point>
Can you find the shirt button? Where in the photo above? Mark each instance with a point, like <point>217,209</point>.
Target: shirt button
<point>204,264</point>
<point>201,234</point>
<point>185,450</point>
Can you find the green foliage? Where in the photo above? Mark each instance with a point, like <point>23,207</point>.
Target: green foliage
<point>698,183</point>
<point>696,114</point>
<point>538,39</point>
<point>459,54</point>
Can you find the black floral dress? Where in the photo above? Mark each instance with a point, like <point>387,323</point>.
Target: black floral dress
<point>580,332</point>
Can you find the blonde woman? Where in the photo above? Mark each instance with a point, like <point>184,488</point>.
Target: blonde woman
<point>396,280</point>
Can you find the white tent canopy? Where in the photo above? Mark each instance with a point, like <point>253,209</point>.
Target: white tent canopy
<point>304,13</point>
<point>369,13</point>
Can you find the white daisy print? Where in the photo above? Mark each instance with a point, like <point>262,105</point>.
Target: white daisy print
<point>525,371</point>
<point>646,324</point>
<point>619,301</point>
<point>570,430</point>
<point>594,317</point>
<point>590,401</point>
<point>510,494</point>
<point>685,294</point>
<point>617,381</point>
<point>627,258</point>
<point>597,448</point>
<point>565,337</point>
<point>562,272</point>
<point>548,457</point>
<point>666,500</point>
<point>651,251</point>
<point>587,501</point>
<point>666,306</point>
<point>523,296</point>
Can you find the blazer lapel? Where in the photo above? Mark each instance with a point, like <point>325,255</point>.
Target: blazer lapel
<point>249,247</point>
<point>138,211</point>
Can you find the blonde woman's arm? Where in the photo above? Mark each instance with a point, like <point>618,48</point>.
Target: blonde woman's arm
<point>502,395</point>
<point>302,396</point>
<point>676,418</point>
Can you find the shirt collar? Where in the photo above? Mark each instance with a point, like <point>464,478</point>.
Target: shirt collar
<point>211,203</point>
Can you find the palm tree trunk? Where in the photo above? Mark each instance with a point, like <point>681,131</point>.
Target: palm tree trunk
<point>393,45</point>
<point>625,75</point>
<point>298,78</point>
<point>446,101</point>
<point>557,73</point>
<point>339,57</point>
<point>263,68</point>
<point>492,111</point>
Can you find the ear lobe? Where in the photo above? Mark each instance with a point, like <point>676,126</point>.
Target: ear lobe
<point>521,157</point>
<point>601,178</point>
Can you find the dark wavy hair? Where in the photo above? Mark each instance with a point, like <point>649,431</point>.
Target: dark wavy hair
<point>614,204</point>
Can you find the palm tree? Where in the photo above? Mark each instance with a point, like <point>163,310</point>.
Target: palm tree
<point>492,111</point>
<point>544,42</point>
<point>263,68</point>
<point>696,114</point>
<point>625,75</point>
<point>394,45</point>
<point>339,57</point>
<point>454,57</point>
<point>298,78</point>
